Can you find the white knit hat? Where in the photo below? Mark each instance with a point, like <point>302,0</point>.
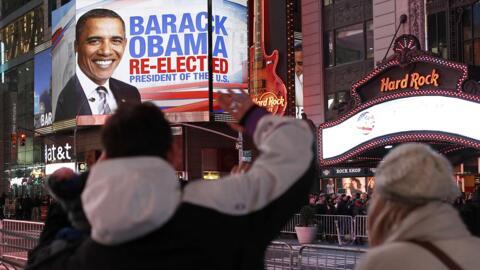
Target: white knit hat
<point>415,173</point>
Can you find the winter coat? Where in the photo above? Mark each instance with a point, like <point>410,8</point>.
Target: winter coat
<point>141,219</point>
<point>436,222</point>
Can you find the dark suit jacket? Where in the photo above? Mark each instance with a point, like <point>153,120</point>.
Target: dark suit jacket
<point>72,100</point>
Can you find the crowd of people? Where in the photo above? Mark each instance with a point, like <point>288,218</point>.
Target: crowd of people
<point>24,207</point>
<point>339,204</point>
<point>467,204</point>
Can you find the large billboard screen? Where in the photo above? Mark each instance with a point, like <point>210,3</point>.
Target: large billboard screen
<point>63,52</point>
<point>42,104</point>
<point>153,51</point>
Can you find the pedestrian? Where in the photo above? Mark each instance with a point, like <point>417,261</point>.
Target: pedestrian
<point>330,187</point>
<point>2,205</point>
<point>141,219</point>
<point>470,213</point>
<point>411,222</point>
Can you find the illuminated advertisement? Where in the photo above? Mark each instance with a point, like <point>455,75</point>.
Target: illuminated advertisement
<point>157,51</point>
<point>412,114</point>
<point>42,104</point>
<point>411,96</point>
<point>298,80</point>
<point>63,52</point>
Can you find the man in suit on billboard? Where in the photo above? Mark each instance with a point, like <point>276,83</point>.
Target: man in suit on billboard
<point>100,44</point>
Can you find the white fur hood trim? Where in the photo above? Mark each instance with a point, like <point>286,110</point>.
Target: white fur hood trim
<point>126,198</point>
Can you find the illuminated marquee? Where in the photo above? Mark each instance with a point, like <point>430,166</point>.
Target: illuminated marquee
<point>413,80</point>
<point>412,96</point>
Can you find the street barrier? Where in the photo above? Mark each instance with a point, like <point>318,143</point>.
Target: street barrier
<point>283,256</point>
<point>315,257</point>
<point>349,228</point>
<point>279,256</point>
<point>327,227</point>
<point>360,225</point>
<point>17,238</point>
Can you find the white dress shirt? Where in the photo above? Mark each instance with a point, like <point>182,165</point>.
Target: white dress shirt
<point>299,90</point>
<point>298,96</point>
<point>89,88</point>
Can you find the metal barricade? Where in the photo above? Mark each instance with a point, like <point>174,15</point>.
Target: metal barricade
<point>360,225</point>
<point>326,224</point>
<point>314,257</point>
<point>327,227</point>
<point>18,237</point>
<point>279,255</point>
<point>290,226</point>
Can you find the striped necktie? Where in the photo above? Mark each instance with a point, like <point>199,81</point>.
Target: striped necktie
<point>103,107</point>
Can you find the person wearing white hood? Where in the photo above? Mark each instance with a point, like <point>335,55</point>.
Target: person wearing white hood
<point>411,223</point>
<point>141,219</point>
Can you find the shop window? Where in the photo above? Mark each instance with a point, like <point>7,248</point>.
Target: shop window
<point>471,34</point>
<point>349,44</point>
<point>432,33</point>
<point>330,101</point>
<point>437,35</point>
<point>337,104</point>
<point>468,52</point>
<point>467,23</point>
<point>442,34</point>
<point>369,39</point>
<point>476,33</point>
<point>328,49</point>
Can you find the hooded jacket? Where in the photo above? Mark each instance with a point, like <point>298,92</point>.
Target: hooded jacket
<point>436,222</point>
<point>141,219</point>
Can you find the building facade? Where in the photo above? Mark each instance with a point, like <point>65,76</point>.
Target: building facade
<point>29,152</point>
<point>341,40</point>
<point>25,30</point>
<point>344,41</point>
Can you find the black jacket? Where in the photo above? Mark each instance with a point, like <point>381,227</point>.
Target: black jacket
<point>72,100</point>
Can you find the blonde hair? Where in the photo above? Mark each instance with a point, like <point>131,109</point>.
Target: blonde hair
<point>383,216</point>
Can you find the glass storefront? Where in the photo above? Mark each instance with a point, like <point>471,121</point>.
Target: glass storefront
<point>22,169</point>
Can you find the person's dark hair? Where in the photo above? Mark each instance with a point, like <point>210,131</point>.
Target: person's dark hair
<point>94,14</point>
<point>137,130</point>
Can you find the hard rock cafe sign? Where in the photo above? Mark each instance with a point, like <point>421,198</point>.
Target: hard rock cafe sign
<point>411,96</point>
<point>413,80</point>
<point>266,87</point>
<point>409,71</point>
<point>271,102</point>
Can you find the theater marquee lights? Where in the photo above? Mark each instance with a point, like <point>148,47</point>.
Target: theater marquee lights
<point>405,115</point>
<point>412,96</point>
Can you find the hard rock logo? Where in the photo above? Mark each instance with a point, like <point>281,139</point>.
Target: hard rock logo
<point>271,102</point>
